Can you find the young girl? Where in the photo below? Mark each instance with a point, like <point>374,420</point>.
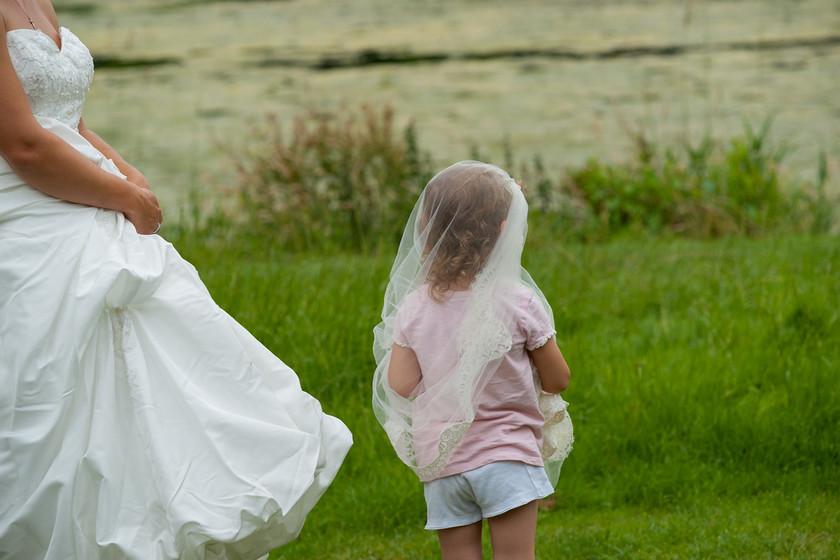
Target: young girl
<point>468,367</point>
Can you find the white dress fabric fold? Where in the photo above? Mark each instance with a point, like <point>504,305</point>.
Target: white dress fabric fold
<point>138,420</point>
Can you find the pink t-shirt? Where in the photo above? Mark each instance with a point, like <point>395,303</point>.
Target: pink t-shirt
<point>508,424</point>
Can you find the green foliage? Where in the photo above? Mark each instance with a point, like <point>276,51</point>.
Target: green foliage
<point>340,179</point>
<point>704,395</point>
<point>819,205</point>
<point>348,179</point>
<point>700,191</point>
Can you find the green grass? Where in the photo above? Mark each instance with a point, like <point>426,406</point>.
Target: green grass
<point>704,394</point>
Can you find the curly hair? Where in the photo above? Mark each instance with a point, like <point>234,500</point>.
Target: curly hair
<point>463,208</point>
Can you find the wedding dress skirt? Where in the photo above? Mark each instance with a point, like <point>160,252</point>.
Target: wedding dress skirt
<point>137,419</point>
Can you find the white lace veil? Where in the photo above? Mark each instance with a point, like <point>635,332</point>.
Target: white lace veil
<point>426,427</point>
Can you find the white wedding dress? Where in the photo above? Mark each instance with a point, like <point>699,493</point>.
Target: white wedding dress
<point>137,419</point>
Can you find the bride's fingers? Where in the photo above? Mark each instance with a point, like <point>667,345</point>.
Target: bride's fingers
<point>145,227</point>
<point>155,216</point>
<point>155,223</point>
<point>146,214</point>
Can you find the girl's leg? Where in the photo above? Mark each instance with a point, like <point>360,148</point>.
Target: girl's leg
<point>514,533</point>
<point>461,543</point>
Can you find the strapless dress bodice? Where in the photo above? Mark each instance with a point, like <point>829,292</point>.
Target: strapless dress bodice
<point>55,79</point>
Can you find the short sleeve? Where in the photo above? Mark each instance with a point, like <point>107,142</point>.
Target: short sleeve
<point>401,336</point>
<point>536,323</point>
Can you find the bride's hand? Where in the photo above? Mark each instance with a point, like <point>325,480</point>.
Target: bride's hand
<point>144,210</point>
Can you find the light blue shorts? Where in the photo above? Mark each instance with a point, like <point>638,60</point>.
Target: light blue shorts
<point>488,491</point>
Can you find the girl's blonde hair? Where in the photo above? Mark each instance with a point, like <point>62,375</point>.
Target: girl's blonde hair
<point>463,208</point>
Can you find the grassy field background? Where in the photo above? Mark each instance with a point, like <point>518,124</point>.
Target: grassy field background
<point>704,395</point>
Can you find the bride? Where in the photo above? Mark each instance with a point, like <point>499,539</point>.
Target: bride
<point>137,419</point>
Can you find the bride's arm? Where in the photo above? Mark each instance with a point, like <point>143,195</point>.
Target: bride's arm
<point>52,166</point>
<point>128,170</point>
<point>105,149</point>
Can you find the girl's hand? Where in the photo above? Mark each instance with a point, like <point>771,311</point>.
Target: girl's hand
<point>143,210</point>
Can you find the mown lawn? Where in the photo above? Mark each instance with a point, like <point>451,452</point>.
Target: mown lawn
<point>704,395</point>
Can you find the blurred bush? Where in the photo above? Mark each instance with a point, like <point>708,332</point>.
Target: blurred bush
<point>347,180</point>
<point>707,190</point>
<point>339,180</point>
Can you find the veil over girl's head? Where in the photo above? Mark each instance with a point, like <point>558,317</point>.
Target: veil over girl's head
<point>465,233</point>
<point>463,210</point>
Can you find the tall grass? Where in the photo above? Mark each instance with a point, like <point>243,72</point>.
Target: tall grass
<point>704,190</point>
<point>347,179</point>
<point>331,179</point>
<point>704,395</point>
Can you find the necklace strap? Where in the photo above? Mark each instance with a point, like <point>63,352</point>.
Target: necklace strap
<point>22,9</point>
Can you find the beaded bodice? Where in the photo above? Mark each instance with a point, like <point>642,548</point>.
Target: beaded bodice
<point>55,79</point>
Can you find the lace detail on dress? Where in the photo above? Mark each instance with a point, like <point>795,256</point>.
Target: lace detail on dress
<point>55,80</point>
<point>450,437</point>
<point>122,333</point>
<point>558,434</point>
<point>541,341</point>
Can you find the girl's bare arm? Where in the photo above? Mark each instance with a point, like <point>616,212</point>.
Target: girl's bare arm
<point>551,367</point>
<point>403,371</point>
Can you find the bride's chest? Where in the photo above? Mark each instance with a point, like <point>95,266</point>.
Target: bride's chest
<point>48,73</point>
